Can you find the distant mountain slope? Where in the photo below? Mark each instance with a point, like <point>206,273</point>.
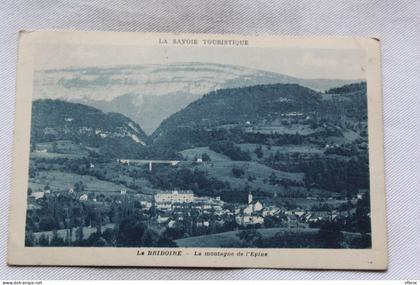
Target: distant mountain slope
<point>150,93</point>
<point>252,103</point>
<point>218,114</point>
<point>112,133</point>
<point>319,139</point>
<point>348,99</point>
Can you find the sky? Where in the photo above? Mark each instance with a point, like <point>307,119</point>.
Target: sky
<point>301,63</point>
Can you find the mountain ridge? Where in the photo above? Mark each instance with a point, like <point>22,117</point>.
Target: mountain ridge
<point>284,128</point>
<point>169,87</point>
<point>111,133</point>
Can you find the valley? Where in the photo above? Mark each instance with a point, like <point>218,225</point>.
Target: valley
<point>301,155</point>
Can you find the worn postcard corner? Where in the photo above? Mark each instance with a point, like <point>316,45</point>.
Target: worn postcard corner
<point>198,150</point>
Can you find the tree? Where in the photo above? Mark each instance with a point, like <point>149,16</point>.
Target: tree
<point>362,215</point>
<point>149,238</point>
<point>173,233</point>
<point>165,242</point>
<point>131,232</point>
<point>272,178</point>
<point>79,187</point>
<point>47,224</point>
<point>250,238</point>
<point>100,242</point>
<point>258,151</point>
<point>110,236</point>
<point>79,233</point>
<point>205,157</point>
<point>229,149</point>
<point>330,235</point>
<point>56,240</point>
<point>43,240</point>
<point>54,146</point>
<point>29,239</point>
<point>251,178</point>
<point>237,172</point>
<point>271,222</point>
<point>365,241</point>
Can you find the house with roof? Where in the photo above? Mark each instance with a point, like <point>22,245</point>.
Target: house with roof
<point>146,205</point>
<point>38,195</point>
<point>245,220</point>
<point>162,219</point>
<point>251,214</point>
<point>252,206</point>
<point>270,211</point>
<point>171,224</point>
<point>320,216</point>
<point>83,197</point>
<point>203,222</point>
<point>164,200</point>
<point>292,220</point>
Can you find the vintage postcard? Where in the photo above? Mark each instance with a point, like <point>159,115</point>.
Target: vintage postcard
<point>198,150</point>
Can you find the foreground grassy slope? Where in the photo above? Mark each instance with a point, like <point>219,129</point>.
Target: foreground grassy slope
<point>190,154</point>
<point>62,181</point>
<point>231,239</point>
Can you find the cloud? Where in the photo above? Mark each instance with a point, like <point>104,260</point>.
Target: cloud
<point>316,59</point>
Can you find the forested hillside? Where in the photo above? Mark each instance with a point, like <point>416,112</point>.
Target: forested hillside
<point>110,134</point>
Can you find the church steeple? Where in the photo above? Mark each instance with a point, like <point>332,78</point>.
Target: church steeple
<point>249,198</point>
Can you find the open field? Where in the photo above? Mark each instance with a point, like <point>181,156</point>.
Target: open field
<point>285,149</point>
<point>308,204</point>
<point>348,137</point>
<point>190,154</point>
<point>222,170</point>
<point>280,129</point>
<point>62,181</point>
<point>54,155</point>
<point>62,146</point>
<point>231,239</point>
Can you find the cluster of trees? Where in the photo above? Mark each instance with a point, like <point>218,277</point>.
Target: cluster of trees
<point>167,177</point>
<point>344,150</point>
<point>273,180</point>
<point>252,238</point>
<point>239,105</point>
<point>229,149</point>
<point>74,165</point>
<point>258,151</point>
<point>329,173</point>
<point>67,211</point>
<point>349,101</point>
<point>357,222</point>
<point>329,235</point>
<point>237,172</point>
<point>185,136</point>
<point>49,125</point>
<point>134,232</point>
<point>198,181</point>
<point>131,231</point>
<point>274,138</point>
<point>337,175</point>
<point>348,88</point>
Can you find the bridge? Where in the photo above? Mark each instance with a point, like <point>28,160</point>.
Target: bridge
<point>149,162</point>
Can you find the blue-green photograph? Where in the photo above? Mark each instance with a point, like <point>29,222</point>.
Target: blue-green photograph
<point>188,147</point>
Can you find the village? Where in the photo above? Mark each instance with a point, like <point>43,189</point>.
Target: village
<point>182,209</point>
<point>170,205</point>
